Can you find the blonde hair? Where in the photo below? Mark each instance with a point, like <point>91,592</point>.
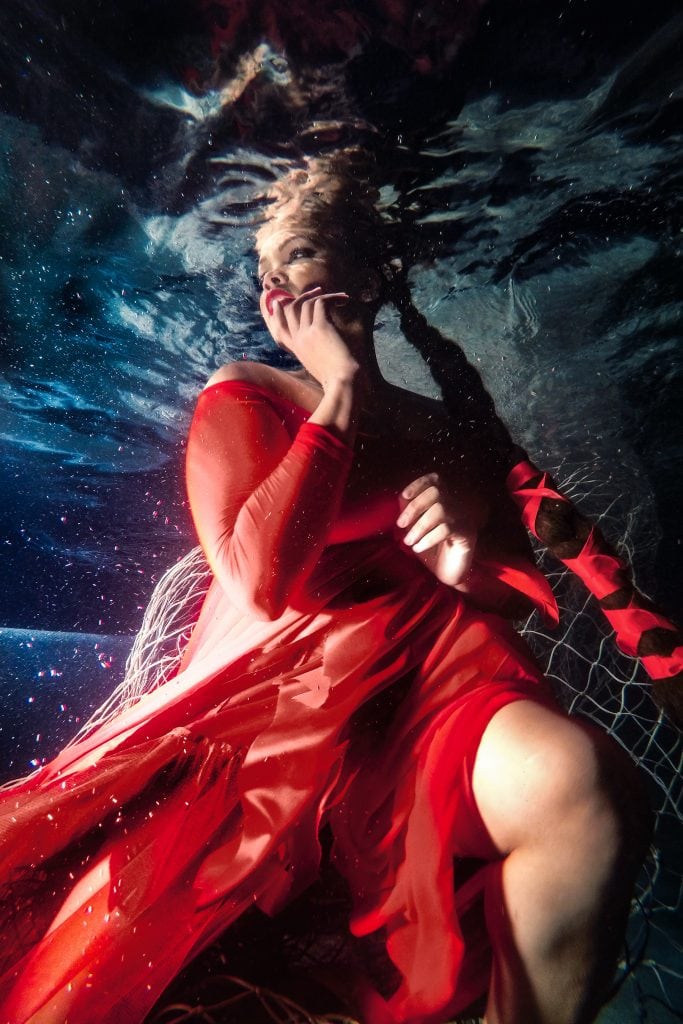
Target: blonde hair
<point>334,197</point>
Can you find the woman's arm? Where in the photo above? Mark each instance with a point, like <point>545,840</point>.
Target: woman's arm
<point>263,504</point>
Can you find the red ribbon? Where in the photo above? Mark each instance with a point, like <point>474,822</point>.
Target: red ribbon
<point>664,667</point>
<point>528,499</point>
<point>602,572</point>
<point>630,623</point>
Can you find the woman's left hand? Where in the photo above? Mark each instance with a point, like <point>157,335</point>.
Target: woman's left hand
<point>435,530</point>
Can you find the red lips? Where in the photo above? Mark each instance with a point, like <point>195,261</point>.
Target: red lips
<point>277,294</point>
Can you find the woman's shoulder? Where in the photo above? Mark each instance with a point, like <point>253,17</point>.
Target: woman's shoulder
<point>280,383</point>
<point>242,371</point>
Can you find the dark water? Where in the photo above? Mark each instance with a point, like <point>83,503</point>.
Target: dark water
<point>530,156</point>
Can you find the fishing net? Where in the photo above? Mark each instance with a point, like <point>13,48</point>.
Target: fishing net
<point>166,627</point>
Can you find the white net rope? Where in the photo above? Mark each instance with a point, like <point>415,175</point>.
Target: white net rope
<point>165,630</point>
<point>591,678</point>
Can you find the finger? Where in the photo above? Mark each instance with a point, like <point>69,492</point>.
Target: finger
<point>337,296</point>
<point>302,300</point>
<point>427,521</point>
<point>278,325</point>
<point>414,488</point>
<point>320,315</point>
<point>414,509</point>
<point>307,312</point>
<point>292,315</point>
<point>431,539</point>
<point>317,293</point>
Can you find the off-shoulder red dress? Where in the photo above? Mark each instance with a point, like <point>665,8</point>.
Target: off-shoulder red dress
<point>137,846</point>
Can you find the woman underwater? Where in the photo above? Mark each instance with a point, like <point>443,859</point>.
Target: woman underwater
<point>351,668</point>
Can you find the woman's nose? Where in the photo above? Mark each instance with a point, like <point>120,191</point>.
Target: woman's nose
<point>274,279</point>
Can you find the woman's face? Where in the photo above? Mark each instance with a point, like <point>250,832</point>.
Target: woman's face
<point>292,261</point>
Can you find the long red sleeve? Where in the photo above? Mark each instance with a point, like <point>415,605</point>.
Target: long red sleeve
<point>262,503</point>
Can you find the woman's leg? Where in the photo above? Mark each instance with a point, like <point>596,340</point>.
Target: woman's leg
<point>565,808</point>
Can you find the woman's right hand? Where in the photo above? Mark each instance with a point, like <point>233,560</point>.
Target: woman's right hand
<point>436,530</point>
<point>303,326</point>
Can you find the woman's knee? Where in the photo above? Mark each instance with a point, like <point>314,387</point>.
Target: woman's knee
<point>543,778</point>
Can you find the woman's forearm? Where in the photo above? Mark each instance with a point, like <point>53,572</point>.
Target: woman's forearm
<point>282,527</point>
<point>263,503</point>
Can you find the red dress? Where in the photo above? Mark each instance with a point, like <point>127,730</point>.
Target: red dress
<point>137,846</point>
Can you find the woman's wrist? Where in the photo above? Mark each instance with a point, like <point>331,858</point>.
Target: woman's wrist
<point>339,408</point>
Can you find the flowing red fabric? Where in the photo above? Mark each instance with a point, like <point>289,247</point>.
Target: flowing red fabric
<point>138,845</point>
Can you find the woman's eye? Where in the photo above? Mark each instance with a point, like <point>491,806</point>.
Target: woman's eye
<point>296,254</point>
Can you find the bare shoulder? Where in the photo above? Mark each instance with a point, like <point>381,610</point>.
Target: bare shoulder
<point>285,383</point>
<point>241,370</point>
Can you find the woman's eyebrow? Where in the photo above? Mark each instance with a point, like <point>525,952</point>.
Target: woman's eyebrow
<point>282,245</point>
<point>293,238</point>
